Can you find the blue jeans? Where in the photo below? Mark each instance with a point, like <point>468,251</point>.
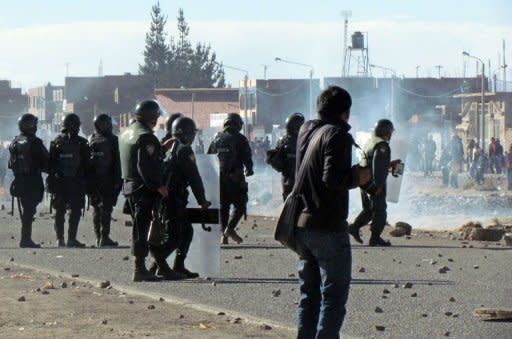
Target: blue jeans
<point>324,275</point>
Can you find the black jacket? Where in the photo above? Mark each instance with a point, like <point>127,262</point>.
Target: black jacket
<point>328,176</point>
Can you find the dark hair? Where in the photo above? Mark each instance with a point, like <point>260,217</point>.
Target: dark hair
<point>333,101</point>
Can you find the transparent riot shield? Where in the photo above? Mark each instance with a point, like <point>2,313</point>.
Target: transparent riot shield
<point>399,144</point>
<point>265,193</point>
<point>204,254</point>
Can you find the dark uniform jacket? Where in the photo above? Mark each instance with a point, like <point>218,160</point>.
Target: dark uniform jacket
<point>182,172</point>
<point>69,158</point>
<point>328,176</point>
<point>233,151</point>
<point>105,158</point>
<point>29,157</point>
<point>284,158</point>
<point>141,159</point>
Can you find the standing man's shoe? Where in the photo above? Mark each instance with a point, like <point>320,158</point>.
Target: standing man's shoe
<point>107,242</point>
<point>75,243</point>
<point>379,242</point>
<point>224,240</point>
<point>29,244</point>
<point>61,243</point>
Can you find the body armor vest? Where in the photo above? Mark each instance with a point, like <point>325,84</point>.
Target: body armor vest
<point>129,146</point>
<point>369,150</point>
<point>102,155</point>
<point>21,161</point>
<point>68,161</point>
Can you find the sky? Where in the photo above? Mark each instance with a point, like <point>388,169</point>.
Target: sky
<point>40,39</point>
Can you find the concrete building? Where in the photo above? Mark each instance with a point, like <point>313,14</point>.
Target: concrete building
<point>200,104</point>
<point>116,95</point>
<point>46,103</point>
<point>13,103</point>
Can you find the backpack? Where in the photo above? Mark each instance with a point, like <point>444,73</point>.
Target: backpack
<point>225,146</point>
<point>21,157</point>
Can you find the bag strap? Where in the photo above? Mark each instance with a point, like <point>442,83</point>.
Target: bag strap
<point>315,139</point>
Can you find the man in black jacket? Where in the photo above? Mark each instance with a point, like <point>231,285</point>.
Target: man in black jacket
<point>67,178</point>
<point>322,240</point>
<point>105,184</point>
<point>28,159</point>
<point>234,154</point>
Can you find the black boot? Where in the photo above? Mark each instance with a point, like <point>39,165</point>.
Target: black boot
<point>379,242</point>
<point>140,272</point>
<point>354,231</point>
<point>165,271</point>
<point>179,266</point>
<point>73,230</point>
<point>105,241</point>
<point>26,235</point>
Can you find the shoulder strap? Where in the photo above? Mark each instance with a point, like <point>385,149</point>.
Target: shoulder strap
<point>315,139</point>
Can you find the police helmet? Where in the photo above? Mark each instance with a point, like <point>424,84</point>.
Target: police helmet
<point>71,123</point>
<point>103,123</point>
<point>293,123</point>
<point>27,123</point>
<point>148,111</point>
<point>184,129</point>
<point>383,128</point>
<point>234,120</point>
<point>172,118</point>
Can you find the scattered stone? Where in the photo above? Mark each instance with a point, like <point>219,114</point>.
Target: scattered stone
<point>486,234</point>
<point>448,314</point>
<point>22,298</point>
<point>379,310</point>
<point>75,275</point>
<point>7,268</point>
<point>447,334</point>
<point>362,270</point>
<point>237,320</point>
<point>48,285</point>
<point>37,289</point>
<point>414,295</point>
<point>103,284</point>
<point>12,237</point>
<point>384,297</point>
<point>265,327</point>
<point>396,286</point>
<point>424,315</point>
<point>408,285</point>
<point>151,307</point>
<point>64,284</point>
<point>476,267</point>
<point>126,258</point>
<point>11,259</point>
<point>418,265</point>
<point>130,302</point>
<point>380,328</point>
<point>104,322</point>
<point>45,292</point>
<point>238,257</point>
<point>455,316</point>
<point>291,275</point>
<point>276,293</point>
<point>73,283</point>
<point>450,259</point>
<point>433,262</point>
<point>452,299</point>
<point>221,313</point>
<point>181,316</point>
<point>214,283</point>
<point>444,269</point>
<point>161,299</point>
<point>386,291</point>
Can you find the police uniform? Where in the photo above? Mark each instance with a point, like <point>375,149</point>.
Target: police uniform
<point>234,153</point>
<point>182,172</point>
<point>105,181</point>
<point>284,161</point>
<point>377,156</point>
<point>142,173</point>
<point>29,157</point>
<point>69,163</point>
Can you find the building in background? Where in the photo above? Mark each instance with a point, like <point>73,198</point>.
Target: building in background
<point>13,103</point>
<point>46,103</point>
<point>116,95</point>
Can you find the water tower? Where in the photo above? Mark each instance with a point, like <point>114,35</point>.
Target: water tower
<point>357,62</point>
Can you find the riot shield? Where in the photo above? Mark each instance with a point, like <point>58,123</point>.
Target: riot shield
<point>204,253</point>
<point>265,193</point>
<point>399,144</point>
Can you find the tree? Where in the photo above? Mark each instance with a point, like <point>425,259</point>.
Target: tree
<point>182,65</point>
<point>156,50</point>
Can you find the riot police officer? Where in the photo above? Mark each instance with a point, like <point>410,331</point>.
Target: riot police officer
<point>234,154</point>
<point>181,173</point>
<point>283,157</point>
<point>142,172</point>
<point>377,157</point>
<point>168,125</point>
<point>28,159</point>
<point>67,179</point>
<point>105,178</point>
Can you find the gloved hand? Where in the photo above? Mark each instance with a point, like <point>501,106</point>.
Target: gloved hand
<point>205,204</point>
<point>249,172</point>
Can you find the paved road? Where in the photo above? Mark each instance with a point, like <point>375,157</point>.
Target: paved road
<point>246,285</point>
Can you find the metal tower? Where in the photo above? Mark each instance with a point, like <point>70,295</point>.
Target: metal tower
<point>357,61</point>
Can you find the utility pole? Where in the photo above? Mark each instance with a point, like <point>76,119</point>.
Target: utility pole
<point>439,70</point>
<point>504,66</point>
<point>417,71</point>
<point>346,15</point>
